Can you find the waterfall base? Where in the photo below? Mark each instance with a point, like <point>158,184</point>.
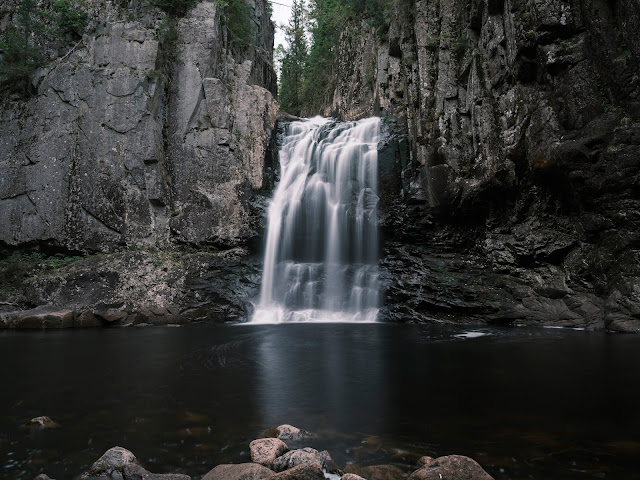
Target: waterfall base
<point>279,314</point>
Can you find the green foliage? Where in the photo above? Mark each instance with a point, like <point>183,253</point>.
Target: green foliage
<point>23,44</point>
<point>327,19</point>
<point>176,8</point>
<point>19,266</point>
<point>461,45</point>
<point>294,61</point>
<point>236,15</point>
<point>432,43</point>
<point>19,60</point>
<point>168,39</point>
<point>69,18</point>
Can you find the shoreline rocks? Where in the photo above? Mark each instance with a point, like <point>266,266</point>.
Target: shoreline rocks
<point>265,450</point>
<point>272,460</point>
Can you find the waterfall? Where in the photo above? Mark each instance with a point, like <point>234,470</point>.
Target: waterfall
<point>321,256</point>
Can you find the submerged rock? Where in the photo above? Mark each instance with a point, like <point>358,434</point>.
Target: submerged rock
<point>289,432</point>
<point>265,450</point>
<point>42,423</point>
<point>451,467</point>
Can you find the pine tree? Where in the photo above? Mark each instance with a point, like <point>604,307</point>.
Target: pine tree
<point>294,60</point>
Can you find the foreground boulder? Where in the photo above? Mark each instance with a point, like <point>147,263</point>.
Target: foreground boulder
<point>265,450</point>
<point>451,467</point>
<point>119,463</point>
<point>306,471</point>
<point>351,476</point>
<point>136,472</point>
<point>113,460</point>
<point>305,455</point>
<point>242,471</point>
<point>376,472</point>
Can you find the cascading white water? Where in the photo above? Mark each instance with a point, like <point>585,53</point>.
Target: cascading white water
<point>321,258</point>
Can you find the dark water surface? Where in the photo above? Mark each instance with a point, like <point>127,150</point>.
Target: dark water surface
<point>525,403</point>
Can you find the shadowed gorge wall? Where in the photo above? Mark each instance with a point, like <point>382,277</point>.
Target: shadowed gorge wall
<point>522,161</point>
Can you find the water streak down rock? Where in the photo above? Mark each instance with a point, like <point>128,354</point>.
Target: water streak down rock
<point>321,260</point>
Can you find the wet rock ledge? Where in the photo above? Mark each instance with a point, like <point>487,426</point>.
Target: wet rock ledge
<point>271,459</point>
<point>130,288</point>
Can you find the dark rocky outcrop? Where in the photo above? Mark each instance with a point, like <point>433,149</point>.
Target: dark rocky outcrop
<point>513,195</point>
<point>157,287</point>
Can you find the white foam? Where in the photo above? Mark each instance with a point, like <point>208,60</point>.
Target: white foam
<point>471,334</point>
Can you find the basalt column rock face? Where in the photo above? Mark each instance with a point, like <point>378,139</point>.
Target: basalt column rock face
<point>135,138</point>
<point>519,198</point>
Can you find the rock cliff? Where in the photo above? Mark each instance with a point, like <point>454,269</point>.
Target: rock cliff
<point>516,195</point>
<point>149,133</point>
<point>132,139</point>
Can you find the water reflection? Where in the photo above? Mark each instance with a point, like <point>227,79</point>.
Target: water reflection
<point>323,376</point>
<point>523,402</point>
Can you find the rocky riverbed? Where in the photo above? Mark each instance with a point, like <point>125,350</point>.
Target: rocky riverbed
<point>271,458</point>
